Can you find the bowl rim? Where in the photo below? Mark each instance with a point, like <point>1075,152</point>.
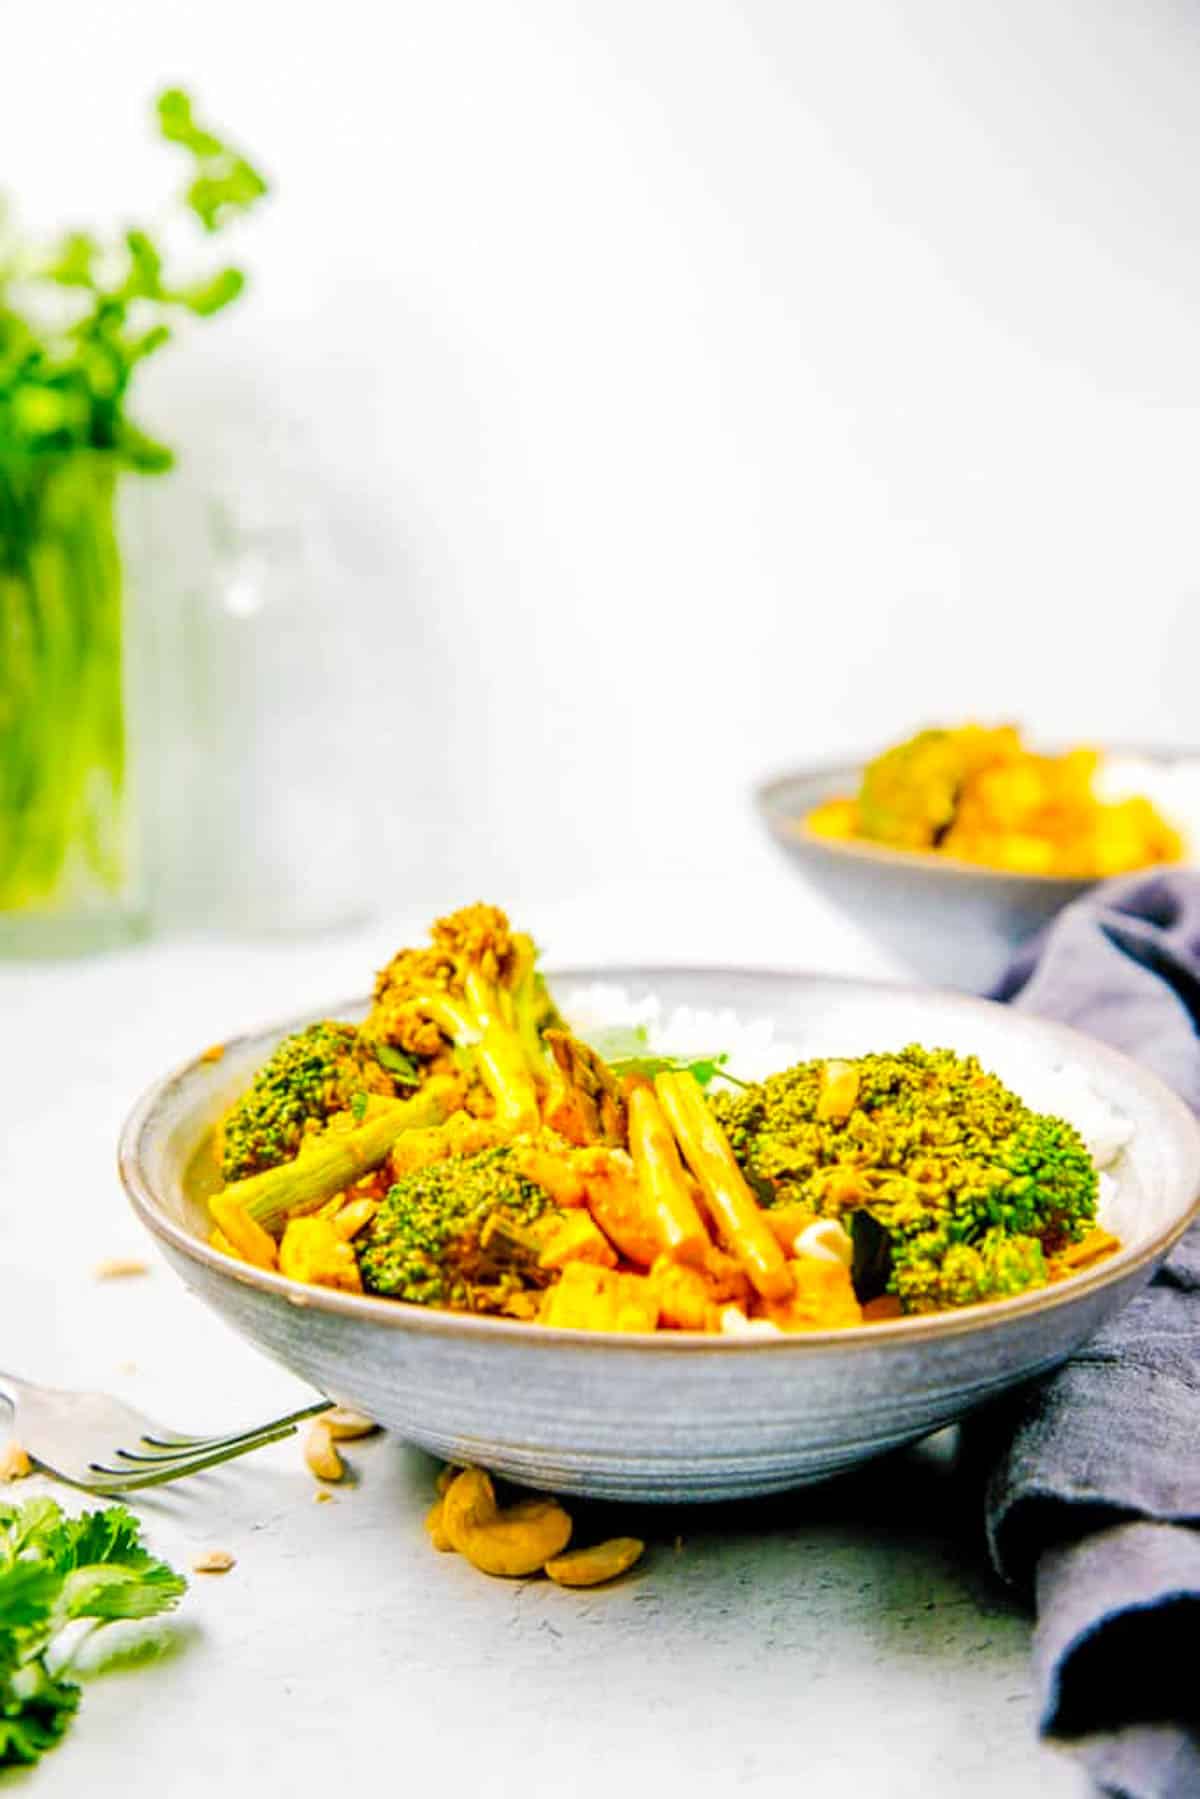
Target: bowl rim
<point>433,1321</point>
<point>789,829</point>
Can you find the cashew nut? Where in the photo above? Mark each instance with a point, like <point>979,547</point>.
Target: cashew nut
<point>468,1503</point>
<point>734,1323</point>
<point>839,1091</point>
<point>344,1425</point>
<point>352,1218</point>
<point>588,1567</point>
<point>213,1561</point>
<point>115,1268</point>
<point>14,1463</point>
<point>437,1529</point>
<point>320,1454</point>
<point>520,1540</point>
<point>826,1239</point>
<point>511,1543</point>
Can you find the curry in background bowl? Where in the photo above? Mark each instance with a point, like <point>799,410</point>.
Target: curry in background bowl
<point>970,843</point>
<point>980,795</point>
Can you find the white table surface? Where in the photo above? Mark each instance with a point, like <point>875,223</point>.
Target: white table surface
<point>843,1640</point>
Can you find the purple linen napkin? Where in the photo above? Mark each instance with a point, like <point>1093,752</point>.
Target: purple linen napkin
<point>1093,1500</point>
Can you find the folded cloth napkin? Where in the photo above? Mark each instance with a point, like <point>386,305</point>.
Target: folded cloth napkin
<point>1094,1497</point>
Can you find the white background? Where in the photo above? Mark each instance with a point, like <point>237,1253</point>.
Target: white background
<point>697,387</point>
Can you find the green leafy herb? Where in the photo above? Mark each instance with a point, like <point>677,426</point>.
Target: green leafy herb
<point>703,1069</point>
<point>224,182</point>
<point>54,1571</point>
<point>77,317</point>
<point>626,1049</point>
<point>402,1068</point>
<point>358,1107</point>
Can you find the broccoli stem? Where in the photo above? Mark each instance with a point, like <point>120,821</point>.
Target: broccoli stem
<point>476,1023</point>
<point>531,1008</point>
<point>505,1073</point>
<point>335,1160</point>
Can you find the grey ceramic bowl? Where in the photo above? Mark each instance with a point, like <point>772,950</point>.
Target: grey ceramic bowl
<point>674,1416</point>
<point>953,923</point>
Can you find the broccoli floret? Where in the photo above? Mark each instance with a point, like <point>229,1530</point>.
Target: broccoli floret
<point>331,1160</point>
<point>931,1272</point>
<point>475,990</point>
<point>457,1233</point>
<point>950,1164</point>
<point>312,1073</point>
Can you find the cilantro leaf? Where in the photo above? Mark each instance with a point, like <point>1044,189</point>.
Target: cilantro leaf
<point>73,265</point>
<point>113,1535</point>
<point>29,1592</point>
<point>144,280</point>
<point>703,1069</point>
<point>79,315</point>
<point>54,1570</point>
<point>107,1570</point>
<point>35,1709</point>
<point>626,1049</point>
<point>23,1525</point>
<point>203,298</point>
<point>224,181</point>
<point>121,1590</point>
<point>178,125</point>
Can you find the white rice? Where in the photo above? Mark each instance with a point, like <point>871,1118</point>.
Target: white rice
<point>755,1051</point>
<point>1065,1092</point>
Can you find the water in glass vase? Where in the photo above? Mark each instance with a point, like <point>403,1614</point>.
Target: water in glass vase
<point>69,876</point>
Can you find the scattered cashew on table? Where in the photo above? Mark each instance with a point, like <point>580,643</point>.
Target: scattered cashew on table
<point>526,1538</point>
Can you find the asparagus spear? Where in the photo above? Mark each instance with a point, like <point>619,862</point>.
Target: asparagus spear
<point>736,1211</point>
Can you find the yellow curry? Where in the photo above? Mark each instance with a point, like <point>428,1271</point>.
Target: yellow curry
<point>980,795</point>
<point>462,1148</point>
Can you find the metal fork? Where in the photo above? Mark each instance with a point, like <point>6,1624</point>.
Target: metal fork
<point>93,1441</point>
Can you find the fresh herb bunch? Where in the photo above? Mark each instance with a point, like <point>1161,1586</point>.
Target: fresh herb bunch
<point>54,1572</point>
<point>79,316</point>
<point>77,319</point>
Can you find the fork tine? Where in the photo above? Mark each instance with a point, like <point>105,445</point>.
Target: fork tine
<point>120,1480</point>
<point>181,1446</point>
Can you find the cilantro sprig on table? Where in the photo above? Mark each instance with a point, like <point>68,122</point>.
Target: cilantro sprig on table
<point>79,316</point>
<point>54,1572</point>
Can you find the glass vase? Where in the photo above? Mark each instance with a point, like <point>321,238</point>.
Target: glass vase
<point>69,875</point>
<point>263,711</point>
